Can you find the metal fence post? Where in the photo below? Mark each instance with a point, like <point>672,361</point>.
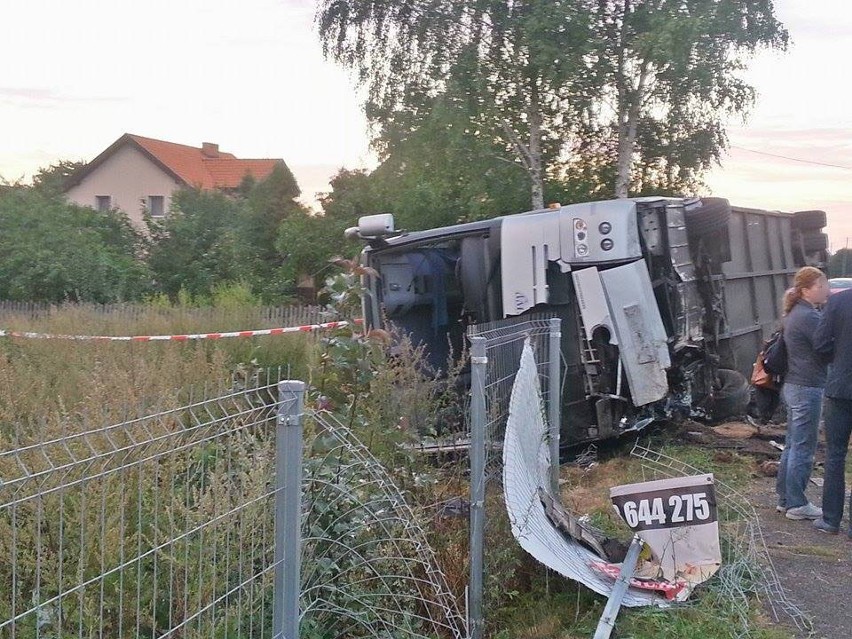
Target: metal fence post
<point>554,397</point>
<point>478,371</point>
<point>288,510</point>
<point>613,604</point>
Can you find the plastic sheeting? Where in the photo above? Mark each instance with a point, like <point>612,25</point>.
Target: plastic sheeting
<point>526,464</point>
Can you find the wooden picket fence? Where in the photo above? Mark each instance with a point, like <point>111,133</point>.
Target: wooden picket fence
<point>20,314</point>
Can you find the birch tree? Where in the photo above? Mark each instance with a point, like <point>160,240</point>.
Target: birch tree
<point>676,66</point>
<point>522,64</point>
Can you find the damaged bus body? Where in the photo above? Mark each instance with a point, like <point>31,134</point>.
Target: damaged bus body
<point>664,302</point>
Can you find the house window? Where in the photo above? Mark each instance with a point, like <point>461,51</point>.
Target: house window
<point>103,202</point>
<point>156,206</point>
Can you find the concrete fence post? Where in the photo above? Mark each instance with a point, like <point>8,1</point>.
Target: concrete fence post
<point>288,510</point>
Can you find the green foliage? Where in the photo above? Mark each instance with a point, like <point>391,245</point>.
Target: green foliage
<point>269,204</point>
<point>840,263</point>
<point>566,611</point>
<point>275,194</point>
<point>560,89</point>
<point>241,247</point>
<point>52,180</point>
<point>353,194</point>
<point>306,242</point>
<point>195,247</point>
<point>54,251</point>
<point>233,296</point>
<point>449,169</point>
<point>517,66</point>
<point>212,240</point>
<point>444,172</point>
<point>378,382</point>
<point>668,75</point>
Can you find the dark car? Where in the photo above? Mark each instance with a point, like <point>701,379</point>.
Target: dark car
<point>838,284</point>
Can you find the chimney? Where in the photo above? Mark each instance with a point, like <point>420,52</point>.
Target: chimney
<point>209,150</point>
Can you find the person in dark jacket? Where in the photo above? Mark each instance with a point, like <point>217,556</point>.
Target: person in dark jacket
<point>833,339</point>
<point>802,392</point>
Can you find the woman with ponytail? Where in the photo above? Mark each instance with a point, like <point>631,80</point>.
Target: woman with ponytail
<point>802,391</point>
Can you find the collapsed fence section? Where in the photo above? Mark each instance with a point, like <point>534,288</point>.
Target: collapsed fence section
<point>369,568</point>
<point>495,355</point>
<point>747,570</point>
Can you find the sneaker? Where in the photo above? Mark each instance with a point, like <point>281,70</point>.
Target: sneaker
<point>781,509</point>
<point>808,511</point>
<point>823,526</point>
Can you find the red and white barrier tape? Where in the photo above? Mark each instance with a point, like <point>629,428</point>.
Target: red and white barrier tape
<point>308,328</point>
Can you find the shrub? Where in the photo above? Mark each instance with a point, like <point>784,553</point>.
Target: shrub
<point>53,251</point>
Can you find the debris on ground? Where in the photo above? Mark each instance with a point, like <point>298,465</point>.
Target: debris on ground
<point>588,457</point>
<point>735,437</point>
<point>768,468</point>
<point>453,508</point>
<point>736,430</point>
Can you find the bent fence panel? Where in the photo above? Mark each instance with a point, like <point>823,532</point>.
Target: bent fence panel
<point>369,568</point>
<point>495,353</point>
<point>165,526</point>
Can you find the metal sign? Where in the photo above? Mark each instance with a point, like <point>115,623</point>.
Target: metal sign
<point>678,520</point>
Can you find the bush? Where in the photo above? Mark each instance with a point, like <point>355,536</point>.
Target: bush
<point>53,251</point>
<point>195,247</point>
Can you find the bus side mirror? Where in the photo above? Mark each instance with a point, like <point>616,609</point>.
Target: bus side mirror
<point>372,226</point>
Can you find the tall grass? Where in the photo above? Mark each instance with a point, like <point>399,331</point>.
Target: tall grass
<point>40,377</point>
<point>51,390</point>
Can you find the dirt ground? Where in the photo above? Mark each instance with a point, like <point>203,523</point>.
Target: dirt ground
<point>815,569</point>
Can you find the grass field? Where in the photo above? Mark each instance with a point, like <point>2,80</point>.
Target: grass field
<point>40,379</point>
<point>49,387</point>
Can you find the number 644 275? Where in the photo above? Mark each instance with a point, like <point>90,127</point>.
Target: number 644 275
<point>677,509</point>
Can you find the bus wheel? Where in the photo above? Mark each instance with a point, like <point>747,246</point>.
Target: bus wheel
<point>731,397</point>
<point>711,217</point>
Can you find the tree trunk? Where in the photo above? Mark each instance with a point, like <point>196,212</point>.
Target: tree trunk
<point>629,102</point>
<point>624,164</point>
<point>529,151</point>
<point>628,123</point>
<point>536,171</point>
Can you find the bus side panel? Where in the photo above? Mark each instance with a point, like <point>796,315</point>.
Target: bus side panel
<point>753,283</point>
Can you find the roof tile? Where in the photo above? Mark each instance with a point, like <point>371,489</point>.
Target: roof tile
<point>197,170</point>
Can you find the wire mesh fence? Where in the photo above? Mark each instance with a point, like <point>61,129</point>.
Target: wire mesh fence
<point>747,570</point>
<point>156,526</point>
<point>503,344</point>
<point>495,353</point>
<point>370,571</point>
<point>171,525</point>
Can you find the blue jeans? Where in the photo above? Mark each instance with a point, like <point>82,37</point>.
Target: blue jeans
<point>838,427</point>
<point>804,404</point>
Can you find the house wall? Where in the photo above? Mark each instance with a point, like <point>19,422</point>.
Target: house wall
<point>127,177</point>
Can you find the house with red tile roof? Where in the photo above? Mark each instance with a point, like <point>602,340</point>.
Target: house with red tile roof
<point>139,175</point>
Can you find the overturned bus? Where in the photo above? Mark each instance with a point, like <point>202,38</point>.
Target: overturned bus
<point>664,302</point>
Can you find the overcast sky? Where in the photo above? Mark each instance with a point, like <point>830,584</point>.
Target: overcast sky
<point>249,75</point>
